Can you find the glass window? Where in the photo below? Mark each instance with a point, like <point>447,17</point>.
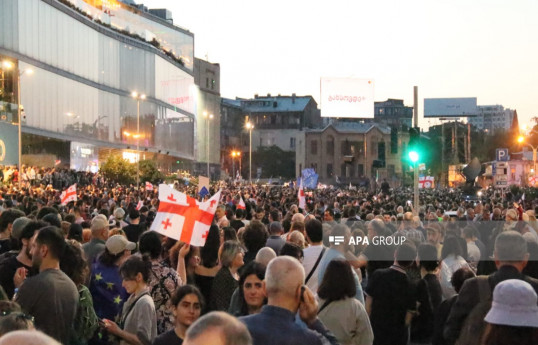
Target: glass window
<point>314,147</point>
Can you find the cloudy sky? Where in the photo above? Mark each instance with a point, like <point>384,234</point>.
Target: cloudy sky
<point>461,48</point>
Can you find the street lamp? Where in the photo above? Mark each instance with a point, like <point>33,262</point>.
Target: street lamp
<point>9,65</point>
<point>250,127</point>
<point>236,154</point>
<point>520,140</point>
<point>208,117</point>
<point>138,97</point>
<point>413,156</point>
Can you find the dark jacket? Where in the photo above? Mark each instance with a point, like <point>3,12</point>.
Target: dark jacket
<point>276,326</point>
<point>469,298</point>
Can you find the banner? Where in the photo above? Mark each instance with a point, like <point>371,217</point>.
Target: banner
<point>203,186</point>
<point>347,97</point>
<point>184,218</point>
<point>425,182</point>
<point>309,178</point>
<point>70,194</point>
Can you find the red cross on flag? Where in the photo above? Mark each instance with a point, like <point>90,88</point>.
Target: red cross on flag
<point>139,205</point>
<point>149,186</point>
<point>241,205</point>
<point>184,218</point>
<point>301,196</point>
<point>70,194</point>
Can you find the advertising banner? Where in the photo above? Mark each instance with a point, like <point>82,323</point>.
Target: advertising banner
<point>9,144</point>
<point>347,97</point>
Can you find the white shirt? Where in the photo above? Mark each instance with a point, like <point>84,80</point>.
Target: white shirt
<point>311,255</point>
<point>448,266</point>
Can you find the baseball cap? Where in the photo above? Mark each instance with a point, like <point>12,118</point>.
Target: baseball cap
<point>119,213</point>
<point>118,243</point>
<point>514,304</point>
<point>18,225</point>
<point>99,223</point>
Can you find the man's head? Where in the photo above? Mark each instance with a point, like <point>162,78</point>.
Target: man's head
<point>99,227</point>
<point>275,228</point>
<point>7,218</point>
<point>48,247</point>
<point>434,234</point>
<point>27,337</point>
<point>283,280</point>
<point>328,216</point>
<point>511,249</point>
<point>314,231</point>
<point>220,212</point>
<point>405,254</point>
<point>218,328</point>
<point>265,255</point>
<point>27,235</point>
<point>341,231</point>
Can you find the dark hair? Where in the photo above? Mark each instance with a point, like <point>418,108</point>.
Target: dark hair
<point>427,254</point>
<point>185,290</point>
<point>134,214</point>
<point>8,217</point>
<point>134,265</point>
<point>501,334</point>
<point>238,213</point>
<point>150,243</point>
<point>108,259</point>
<point>53,238</point>
<point>229,234</point>
<point>255,268</point>
<point>314,230</point>
<point>255,236</point>
<point>210,251</point>
<point>73,263</point>
<point>7,306</point>
<point>52,219</point>
<point>70,218</point>
<point>451,245</point>
<point>291,249</point>
<point>460,276</point>
<point>46,210</point>
<point>338,281</point>
<point>29,229</point>
<point>14,322</point>
<point>406,254</point>
<point>75,232</point>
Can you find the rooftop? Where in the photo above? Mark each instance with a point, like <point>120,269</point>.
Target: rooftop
<point>353,127</point>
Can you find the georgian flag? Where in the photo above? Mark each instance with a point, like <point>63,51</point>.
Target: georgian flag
<point>301,196</point>
<point>139,205</point>
<point>149,186</point>
<point>425,182</point>
<point>241,205</point>
<point>184,218</point>
<point>70,194</point>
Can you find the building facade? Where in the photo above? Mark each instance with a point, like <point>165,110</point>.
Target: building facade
<point>208,118</point>
<point>393,113</point>
<point>353,153</point>
<point>278,121</point>
<point>492,118</point>
<point>87,59</point>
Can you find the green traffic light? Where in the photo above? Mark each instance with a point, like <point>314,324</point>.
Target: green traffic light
<point>413,156</point>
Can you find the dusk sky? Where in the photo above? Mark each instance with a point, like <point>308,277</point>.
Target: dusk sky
<point>480,48</point>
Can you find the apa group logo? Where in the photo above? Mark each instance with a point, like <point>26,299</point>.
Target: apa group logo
<point>336,240</point>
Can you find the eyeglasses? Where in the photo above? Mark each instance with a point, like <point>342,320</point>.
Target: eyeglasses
<point>18,315</point>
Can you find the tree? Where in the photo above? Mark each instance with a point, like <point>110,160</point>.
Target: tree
<point>118,170</point>
<point>149,171</point>
<point>274,162</point>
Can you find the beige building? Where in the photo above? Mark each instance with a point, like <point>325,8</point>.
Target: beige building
<point>352,152</point>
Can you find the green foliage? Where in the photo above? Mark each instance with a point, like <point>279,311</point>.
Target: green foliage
<point>118,170</point>
<point>274,162</point>
<point>149,172</point>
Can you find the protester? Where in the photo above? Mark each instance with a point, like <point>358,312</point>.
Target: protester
<point>452,260</point>
<point>249,295</point>
<point>187,303</point>
<point>96,246</point>
<point>313,253</point>
<point>50,296</point>
<point>27,337</point>
<point>218,328</point>
<point>339,311</point>
<point>15,321</point>
<point>226,280</point>
<point>6,224</point>
<point>138,322</point>
<point>205,273</point>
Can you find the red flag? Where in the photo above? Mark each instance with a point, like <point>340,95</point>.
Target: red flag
<point>149,186</point>
<point>139,206</point>
<point>70,194</point>
<point>241,205</point>
<point>184,218</point>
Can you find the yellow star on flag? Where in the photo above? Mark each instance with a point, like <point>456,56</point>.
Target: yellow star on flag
<point>110,285</point>
<point>117,300</point>
<point>98,276</point>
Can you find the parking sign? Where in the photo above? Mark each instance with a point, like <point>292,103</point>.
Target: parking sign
<point>501,155</point>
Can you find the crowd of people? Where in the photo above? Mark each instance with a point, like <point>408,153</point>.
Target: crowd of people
<point>352,267</point>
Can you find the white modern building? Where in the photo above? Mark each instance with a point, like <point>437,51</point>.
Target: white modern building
<point>492,118</point>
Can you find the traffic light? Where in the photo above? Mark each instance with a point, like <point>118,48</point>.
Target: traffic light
<point>414,146</point>
<point>413,156</point>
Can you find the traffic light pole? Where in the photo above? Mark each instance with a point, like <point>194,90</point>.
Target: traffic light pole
<point>415,187</point>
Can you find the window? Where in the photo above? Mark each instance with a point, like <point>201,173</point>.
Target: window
<point>381,150</point>
<point>329,170</point>
<point>391,170</point>
<point>330,146</point>
<point>360,170</point>
<point>292,143</point>
<point>212,84</point>
<point>314,147</point>
<point>207,83</point>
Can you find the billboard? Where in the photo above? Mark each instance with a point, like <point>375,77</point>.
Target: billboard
<point>9,144</point>
<point>450,107</point>
<point>347,97</point>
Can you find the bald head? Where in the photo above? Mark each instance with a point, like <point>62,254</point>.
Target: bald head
<point>283,276</point>
<point>298,217</point>
<point>27,338</point>
<point>265,255</point>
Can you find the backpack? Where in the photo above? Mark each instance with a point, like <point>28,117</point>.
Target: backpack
<point>474,325</point>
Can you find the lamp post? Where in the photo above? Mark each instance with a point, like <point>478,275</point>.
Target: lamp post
<point>138,97</point>
<point>10,65</point>
<point>413,156</point>
<point>208,117</point>
<point>233,165</point>
<point>250,127</point>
